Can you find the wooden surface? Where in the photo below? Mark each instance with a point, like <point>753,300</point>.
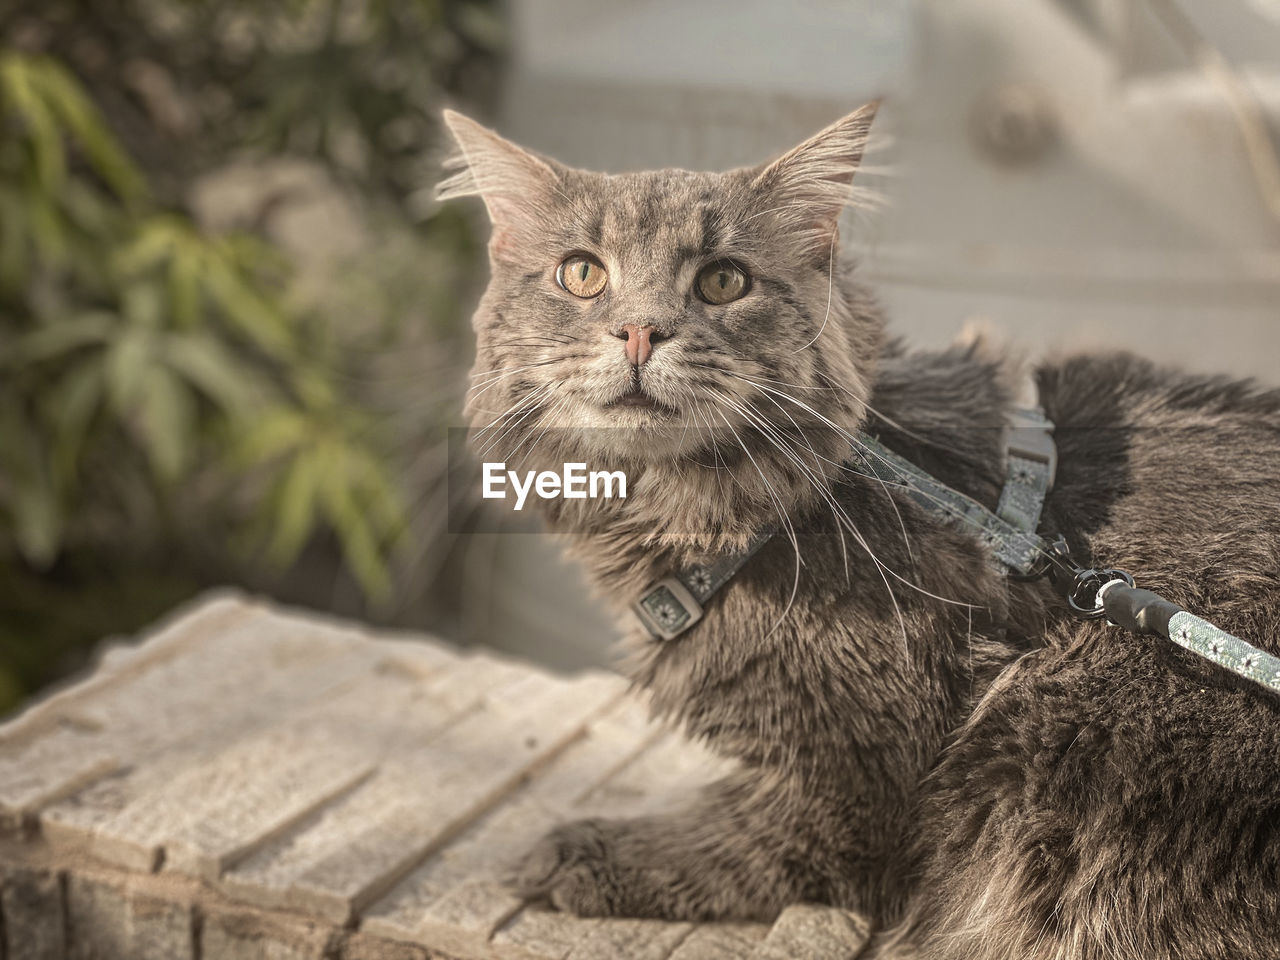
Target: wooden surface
<point>249,782</point>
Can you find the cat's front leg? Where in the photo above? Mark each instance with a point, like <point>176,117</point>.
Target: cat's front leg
<point>743,852</point>
<point>609,868</point>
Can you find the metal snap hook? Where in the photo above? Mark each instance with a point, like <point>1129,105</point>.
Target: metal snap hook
<point>1085,587</point>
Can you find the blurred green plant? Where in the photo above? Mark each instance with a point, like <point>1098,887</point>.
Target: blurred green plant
<point>131,336</point>
<point>165,384</point>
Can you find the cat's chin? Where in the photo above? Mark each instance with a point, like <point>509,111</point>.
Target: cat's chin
<point>641,401</point>
<point>650,418</point>
<point>644,437</point>
<point>625,434</point>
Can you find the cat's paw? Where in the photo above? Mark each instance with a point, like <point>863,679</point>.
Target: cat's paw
<point>578,868</point>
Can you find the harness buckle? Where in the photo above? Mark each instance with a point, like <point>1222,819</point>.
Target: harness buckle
<point>1030,436</point>
<point>667,609</point>
<point>1079,586</point>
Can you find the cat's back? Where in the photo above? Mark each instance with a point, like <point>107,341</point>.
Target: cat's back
<point>1117,792</point>
<point>1172,478</point>
<point>1113,797</point>
<point>1149,452</point>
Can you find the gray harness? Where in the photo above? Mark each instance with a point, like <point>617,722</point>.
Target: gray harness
<point>674,604</point>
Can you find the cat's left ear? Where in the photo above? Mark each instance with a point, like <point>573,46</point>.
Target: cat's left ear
<point>515,184</point>
<point>810,185</point>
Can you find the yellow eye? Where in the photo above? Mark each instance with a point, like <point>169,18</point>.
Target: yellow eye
<point>582,276</point>
<point>722,282</point>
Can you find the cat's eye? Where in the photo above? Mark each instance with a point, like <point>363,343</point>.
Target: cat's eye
<point>722,282</point>
<point>581,275</point>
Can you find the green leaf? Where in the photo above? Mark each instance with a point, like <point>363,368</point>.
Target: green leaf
<point>53,340</point>
<point>295,505</point>
<point>184,289</point>
<point>95,215</point>
<point>14,259</point>
<point>66,97</point>
<point>168,422</point>
<point>383,504</point>
<point>47,229</point>
<point>144,306</point>
<point>247,252</point>
<point>18,76</point>
<point>277,431</point>
<point>154,242</point>
<point>245,308</point>
<point>359,543</point>
<point>223,378</point>
<point>126,367</point>
<point>313,385</point>
<point>37,523</point>
<point>72,405</point>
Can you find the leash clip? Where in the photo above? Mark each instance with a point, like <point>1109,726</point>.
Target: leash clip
<point>1087,587</point>
<point>1079,586</point>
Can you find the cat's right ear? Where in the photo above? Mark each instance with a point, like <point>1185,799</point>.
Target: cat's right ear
<point>514,183</point>
<point>810,184</point>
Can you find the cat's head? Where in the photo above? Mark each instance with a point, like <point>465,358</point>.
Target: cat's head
<point>662,312</point>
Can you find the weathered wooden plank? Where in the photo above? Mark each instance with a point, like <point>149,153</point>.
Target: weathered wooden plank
<point>421,655</point>
<point>68,741</point>
<point>324,690</point>
<point>174,709</point>
<point>250,655</point>
<point>807,931</point>
<point>359,946</point>
<point>450,783</point>
<point>269,877</point>
<point>308,768</point>
<point>223,807</point>
<point>622,767</point>
<point>218,714</point>
<point>452,902</point>
<point>47,769</point>
<point>204,618</point>
<point>236,933</point>
<point>720,941</point>
<point>630,940</point>
<point>465,917</point>
<point>32,907</point>
<point>669,771</point>
<point>108,921</point>
<point>540,934</point>
<point>239,817</point>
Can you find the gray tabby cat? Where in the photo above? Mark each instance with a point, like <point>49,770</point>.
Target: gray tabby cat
<point>919,737</point>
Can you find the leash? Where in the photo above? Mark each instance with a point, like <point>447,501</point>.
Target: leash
<point>1110,594</point>
<point>673,605</point>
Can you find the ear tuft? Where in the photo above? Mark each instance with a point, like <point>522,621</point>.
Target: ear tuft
<point>812,183</point>
<point>507,176</point>
<point>458,181</point>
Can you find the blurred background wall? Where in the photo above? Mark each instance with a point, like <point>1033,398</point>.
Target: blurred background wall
<point>1067,171</point>
<point>233,324</point>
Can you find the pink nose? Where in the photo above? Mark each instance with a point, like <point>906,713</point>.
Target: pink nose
<point>638,343</point>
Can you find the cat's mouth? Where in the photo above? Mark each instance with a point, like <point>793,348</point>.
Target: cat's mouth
<point>637,398</point>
